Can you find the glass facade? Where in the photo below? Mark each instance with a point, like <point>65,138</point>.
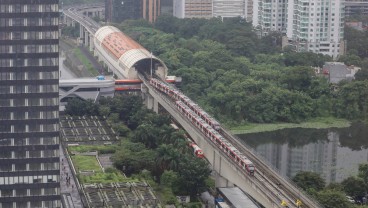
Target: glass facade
<point>29,104</point>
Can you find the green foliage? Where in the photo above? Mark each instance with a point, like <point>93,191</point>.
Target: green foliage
<point>362,75</point>
<point>237,77</point>
<point>86,62</point>
<point>354,186</point>
<point>86,163</point>
<point>363,172</point>
<point>305,59</point>
<point>131,158</point>
<point>356,41</point>
<point>78,107</point>
<point>168,178</point>
<point>101,149</point>
<point>192,176</point>
<point>352,100</point>
<point>106,177</point>
<point>333,199</point>
<point>309,181</point>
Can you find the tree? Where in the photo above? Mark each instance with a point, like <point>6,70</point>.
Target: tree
<point>354,187</point>
<point>167,158</point>
<point>309,181</point>
<point>78,107</point>
<point>134,157</point>
<point>363,172</point>
<point>146,134</point>
<point>361,75</point>
<point>168,178</point>
<point>193,173</point>
<point>333,199</point>
<point>352,100</point>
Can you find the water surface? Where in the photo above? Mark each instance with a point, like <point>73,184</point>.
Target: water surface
<point>333,153</point>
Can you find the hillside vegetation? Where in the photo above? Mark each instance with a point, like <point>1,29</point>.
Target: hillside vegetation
<point>240,78</point>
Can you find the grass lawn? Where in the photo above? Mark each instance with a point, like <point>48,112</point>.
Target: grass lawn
<point>85,62</point>
<point>105,178</point>
<point>84,162</point>
<point>89,148</point>
<point>319,123</point>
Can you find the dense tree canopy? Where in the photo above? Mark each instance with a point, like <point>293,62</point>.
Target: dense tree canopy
<point>150,143</point>
<point>309,181</point>
<point>238,77</point>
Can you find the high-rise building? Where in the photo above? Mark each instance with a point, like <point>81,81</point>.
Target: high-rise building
<point>310,25</point>
<point>269,16</point>
<point>151,10</point>
<point>213,8</point>
<point>356,7</point>
<point>192,8</point>
<point>29,104</point>
<point>119,11</point>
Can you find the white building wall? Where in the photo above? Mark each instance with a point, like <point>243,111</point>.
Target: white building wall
<point>255,19</point>
<point>179,8</point>
<point>229,8</point>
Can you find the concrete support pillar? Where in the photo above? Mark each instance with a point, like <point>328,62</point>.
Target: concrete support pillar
<point>72,22</point>
<point>217,167</point>
<point>149,101</point>
<point>81,33</point>
<point>86,38</point>
<point>155,105</point>
<point>91,44</point>
<point>221,182</point>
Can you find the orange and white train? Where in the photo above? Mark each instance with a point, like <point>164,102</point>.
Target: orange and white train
<point>216,138</point>
<point>197,151</point>
<point>177,95</point>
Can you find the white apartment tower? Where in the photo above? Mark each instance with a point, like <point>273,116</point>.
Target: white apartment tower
<point>269,15</point>
<point>310,25</point>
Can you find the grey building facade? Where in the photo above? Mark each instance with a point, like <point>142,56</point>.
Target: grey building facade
<point>29,99</point>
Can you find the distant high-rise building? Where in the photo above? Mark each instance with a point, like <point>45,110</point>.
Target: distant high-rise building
<point>213,8</point>
<point>121,10</point>
<point>270,16</point>
<point>356,7</point>
<point>193,8</point>
<point>167,7</point>
<point>151,10</point>
<point>314,25</point>
<point>29,104</point>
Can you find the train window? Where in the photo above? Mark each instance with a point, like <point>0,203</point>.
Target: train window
<point>232,154</point>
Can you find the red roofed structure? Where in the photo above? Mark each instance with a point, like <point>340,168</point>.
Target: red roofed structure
<point>126,56</point>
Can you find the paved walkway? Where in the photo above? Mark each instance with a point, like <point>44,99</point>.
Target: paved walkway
<point>68,187</point>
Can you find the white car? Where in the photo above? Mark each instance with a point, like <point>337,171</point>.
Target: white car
<point>350,199</point>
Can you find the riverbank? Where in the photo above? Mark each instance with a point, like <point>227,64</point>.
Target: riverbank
<point>317,123</point>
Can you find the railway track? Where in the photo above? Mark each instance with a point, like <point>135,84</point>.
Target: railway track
<point>287,191</point>
<point>277,189</point>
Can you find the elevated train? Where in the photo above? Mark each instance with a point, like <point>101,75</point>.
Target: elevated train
<point>217,138</point>
<point>177,95</point>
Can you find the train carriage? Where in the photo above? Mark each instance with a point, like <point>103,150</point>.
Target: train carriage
<point>217,139</point>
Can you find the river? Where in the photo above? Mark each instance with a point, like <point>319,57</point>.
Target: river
<point>333,153</point>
